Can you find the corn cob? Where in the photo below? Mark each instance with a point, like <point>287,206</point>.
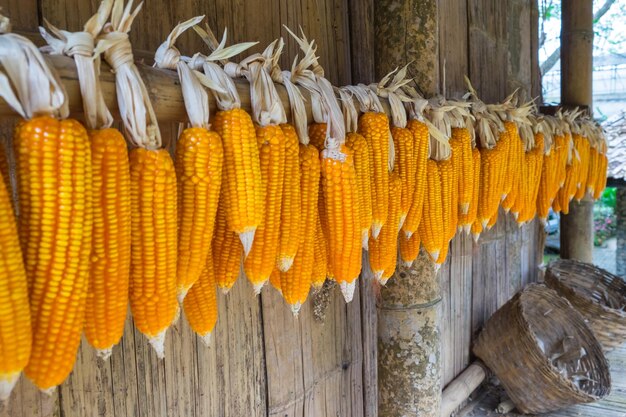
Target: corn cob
<point>54,185</point>
<point>357,144</point>
<point>421,138</point>
<point>296,282</point>
<point>556,205</point>
<point>568,190</point>
<point>15,330</point>
<point>199,156</point>
<point>153,236</point>
<point>4,169</point>
<point>534,161</point>
<point>226,249</point>
<point>600,185</point>
<point>467,220</point>
<point>324,227</point>
<point>290,219</point>
<point>409,248</point>
<point>405,163</point>
<point>521,193</point>
<point>275,280</point>
<point>594,168</point>
<point>200,305</point>
<point>107,298</point>
<point>243,196</point>
<point>461,144</point>
<point>493,220</point>
<point>561,144</point>
<point>340,204</point>
<point>320,266</point>
<point>317,135</point>
<point>449,196</point>
<point>583,147</point>
<point>383,251</point>
<point>547,181</point>
<point>375,129</point>
<point>514,164</point>
<point>443,255</point>
<point>260,262</point>
<point>491,179</point>
<point>431,228</point>
<point>476,229</point>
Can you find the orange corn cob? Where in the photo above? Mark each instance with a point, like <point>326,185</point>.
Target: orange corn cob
<point>296,282</point>
<point>226,249</point>
<point>534,161</point>
<point>514,163</point>
<point>107,298</point>
<point>493,220</point>
<point>556,205</point>
<point>491,179</point>
<point>375,129</point>
<point>321,215</point>
<point>154,240</point>
<point>54,186</point>
<point>406,165</point>
<point>467,220</point>
<point>201,302</point>
<point>383,251</point>
<point>600,185</point>
<point>262,257</point>
<point>320,266</point>
<point>583,146</point>
<point>15,330</point>
<point>4,169</point>
<point>409,248</point>
<point>431,228</point>
<point>342,214</point>
<point>561,146</point>
<point>449,196</point>
<point>199,157</point>
<point>568,190</point>
<point>243,188</point>
<point>443,255</point>
<point>290,219</point>
<point>476,229</point>
<point>594,168</point>
<point>420,149</point>
<point>545,194</point>
<point>317,135</point>
<point>357,144</point>
<point>275,280</point>
<point>461,144</point>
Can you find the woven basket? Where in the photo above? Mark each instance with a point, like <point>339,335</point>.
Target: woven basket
<point>521,340</point>
<point>599,295</point>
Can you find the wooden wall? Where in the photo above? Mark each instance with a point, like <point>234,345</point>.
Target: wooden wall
<point>262,361</point>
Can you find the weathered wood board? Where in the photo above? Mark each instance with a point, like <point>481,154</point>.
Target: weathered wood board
<point>262,361</point>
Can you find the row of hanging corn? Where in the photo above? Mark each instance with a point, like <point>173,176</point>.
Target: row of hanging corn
<point>99,227</point>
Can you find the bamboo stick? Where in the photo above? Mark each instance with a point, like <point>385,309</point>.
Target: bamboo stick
<point>461,387</point>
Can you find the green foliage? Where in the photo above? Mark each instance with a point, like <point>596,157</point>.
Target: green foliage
<point>609,197</point>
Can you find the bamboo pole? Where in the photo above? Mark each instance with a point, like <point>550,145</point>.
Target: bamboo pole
<point>409,339</point>
<point>462,387</point>
<point>576,90</point>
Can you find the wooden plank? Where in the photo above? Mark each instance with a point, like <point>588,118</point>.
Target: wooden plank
<point>23,13</point>
<point>369,326</point>
<point>124,374</point>
<point>453,46</point>
<point>352,357</point>
<point>446,324</point>
<point>362,40</point>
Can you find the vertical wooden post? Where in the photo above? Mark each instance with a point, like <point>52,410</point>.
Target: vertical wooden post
<point>409,340</point>
<point>620,252</point>
<point>576,90</point>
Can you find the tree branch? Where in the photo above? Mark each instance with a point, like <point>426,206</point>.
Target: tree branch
<point>554,56</point>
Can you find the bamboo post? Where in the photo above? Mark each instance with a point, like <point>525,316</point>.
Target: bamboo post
<point>576,90</point>
<point>462,387</point>
<point>409,339</point>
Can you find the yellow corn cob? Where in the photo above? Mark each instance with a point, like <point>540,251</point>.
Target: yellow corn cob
<point>600,185</point>
<point>275,280</point>
<point>296,282</point>
<point>546,195</point>
<point>467,220</point>
<point>107,298</point>
<point>290,223</point>
<point>409,248</point>
<point>320,266</point>
<point>561,145</point>
<point>461,144</point>
<point>321,215</point>
<point>375,129</point>
<point>406,165</point>
<point>201,302</point>
<point>199,157</point>
<point>476,229</point>
<point>243,188</point>
<point>342,215</point>
<point>317,135</point>
<point>583,147</point>
<point>357,144</point>
<point>513,144</point>
<point>15,330</point>
<point>383,251</point>
<point>431,228</point>
<point>556,205</point>
<point>54,186</point>
<point>493,220</point>
<point>4,169</point>
<point>154,240</point>
<point>262,257</point>
<point>443,255</point>
<point>568,190</point>
<point>521,193</point>
<point>449,196</point>
<point>226,249</point>
<point>491,179</point>
<point>594,168</point>
<point>534,159</point>
<point>420,150</point>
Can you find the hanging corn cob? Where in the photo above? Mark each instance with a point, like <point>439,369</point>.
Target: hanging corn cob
<point>547,183</point>
<point>268,113</point>
<point>15,317</point>
<point>153,191</point>
<point>358,145</point>
<point>583,148</point>
<point>419,128</point>
<point>531,171</point>
<point>243,188</point>
<point>467,220</point>
<point>201,302</point>
<point>409,248</point>
<point>339,186</point>
<point>107,297</point>
<point>431,229</point>
<point>320,266</point>
<point>226,249</point>
<point>295,283</point>
<point>54,188</point>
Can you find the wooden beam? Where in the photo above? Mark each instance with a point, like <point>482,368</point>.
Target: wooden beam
<point>458,391</point>
<point>163,87</point>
